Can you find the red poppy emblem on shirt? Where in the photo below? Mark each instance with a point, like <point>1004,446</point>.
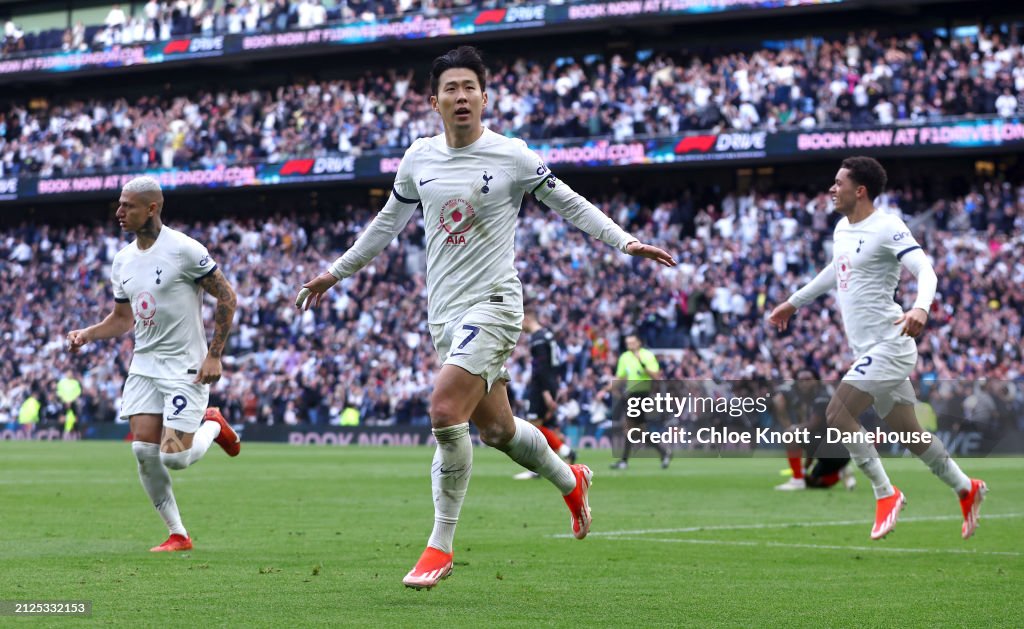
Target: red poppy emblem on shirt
<point>145,306</point>
<point>844,270</point>
<point>457,216</point>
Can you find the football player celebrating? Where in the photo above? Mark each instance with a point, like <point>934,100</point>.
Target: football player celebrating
<point>869,248</point>
<point>469,183</point>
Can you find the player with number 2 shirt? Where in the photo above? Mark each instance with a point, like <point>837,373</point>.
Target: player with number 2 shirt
<point>870,246</point>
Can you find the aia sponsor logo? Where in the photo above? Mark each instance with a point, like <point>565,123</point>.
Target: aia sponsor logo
<point>457,217</point>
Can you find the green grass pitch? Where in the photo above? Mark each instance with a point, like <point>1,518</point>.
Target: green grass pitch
<point>307,536</point>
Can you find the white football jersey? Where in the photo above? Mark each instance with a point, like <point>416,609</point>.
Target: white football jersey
<point>162,285</point>
<point>866,259</point>
<point>470,198</point>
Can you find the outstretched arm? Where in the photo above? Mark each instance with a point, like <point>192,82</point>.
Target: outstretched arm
<point>573,207</point>
<point>821,284</point>
<point>119,321</point>
<point>914,319</point>
<point>217,285</point>
<point>388,223</point>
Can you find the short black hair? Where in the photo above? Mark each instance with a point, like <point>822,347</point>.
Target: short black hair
<point>462,57</point>
<point>867,172</point>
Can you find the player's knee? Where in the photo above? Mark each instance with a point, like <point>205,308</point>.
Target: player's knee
<point>175,460</point>
<point>496,434</point>
<point>445,412</point>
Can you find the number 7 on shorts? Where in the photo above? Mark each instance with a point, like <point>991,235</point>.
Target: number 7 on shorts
<point>473,331</point>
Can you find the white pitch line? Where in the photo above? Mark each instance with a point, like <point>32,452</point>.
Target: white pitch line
<point>888,549</point>
<point>783,525</point>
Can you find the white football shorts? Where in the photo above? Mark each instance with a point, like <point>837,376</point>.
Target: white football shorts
<point>481,340</point>
<point>883,372</point>
<point>182,403</point>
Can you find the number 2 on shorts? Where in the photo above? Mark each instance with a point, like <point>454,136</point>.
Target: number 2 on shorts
<point>859,368</point>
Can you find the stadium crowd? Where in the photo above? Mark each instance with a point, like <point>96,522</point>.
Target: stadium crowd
<point>866,79</point>
<point>366,355</point>
<point>165,19</point>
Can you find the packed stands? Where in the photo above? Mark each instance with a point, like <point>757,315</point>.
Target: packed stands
<point>368,347</point>
<point>865,79</point>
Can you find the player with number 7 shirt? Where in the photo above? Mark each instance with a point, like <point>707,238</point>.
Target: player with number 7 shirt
<point>869,248</point>
<point>469,182</point>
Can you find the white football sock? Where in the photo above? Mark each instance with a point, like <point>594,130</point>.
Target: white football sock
<point>529,448</point>
<point>157,483</point>
<point>449,479</point>
<point>942,465</point>
<point>175,460</point>
<point>866,457</point>
<point>201,441</point>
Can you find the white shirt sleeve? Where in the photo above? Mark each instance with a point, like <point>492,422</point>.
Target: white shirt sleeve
<point>196,262</point>
<point>918,263</point>
<point>405,182</point>
<point>897,238</point>
<point>821,284</point>
<point>120,295</point>
<point>388,223</point>
<point>536,179</point>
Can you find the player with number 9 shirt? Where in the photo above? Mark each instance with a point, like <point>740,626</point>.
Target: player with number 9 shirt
<point>158,281</point>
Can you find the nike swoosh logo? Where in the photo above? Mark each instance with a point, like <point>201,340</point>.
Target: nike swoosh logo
<point>459,354</point>
<point>424,182</point>
<point>123,282</point>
